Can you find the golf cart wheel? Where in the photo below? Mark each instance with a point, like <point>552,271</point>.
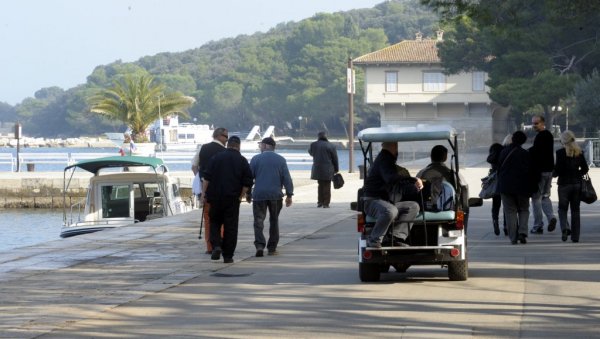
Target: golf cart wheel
<point>401,268</point>
<point>458,270</point>
<point>368,272</point>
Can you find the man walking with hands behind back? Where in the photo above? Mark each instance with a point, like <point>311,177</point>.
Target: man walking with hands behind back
<point>270,173</point>
<point>227,179</point>
<point>325,165</point>
<point>542,158</point>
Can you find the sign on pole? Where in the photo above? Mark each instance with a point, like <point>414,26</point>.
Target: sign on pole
<point>350,85</point>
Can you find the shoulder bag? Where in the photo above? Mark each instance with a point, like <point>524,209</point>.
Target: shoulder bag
<point>490,183</point>
<point>588,193</point>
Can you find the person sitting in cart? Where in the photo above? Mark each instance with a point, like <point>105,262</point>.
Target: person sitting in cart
<point>438,168</point>
<point>381,177</point>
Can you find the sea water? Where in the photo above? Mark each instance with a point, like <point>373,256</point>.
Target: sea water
<point>25,227</point>
<point>343,158</point>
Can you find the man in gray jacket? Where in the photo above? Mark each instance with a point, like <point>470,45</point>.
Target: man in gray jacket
<point>270,173</point>
<point>325,165</point>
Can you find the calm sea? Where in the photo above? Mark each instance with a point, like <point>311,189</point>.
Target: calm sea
<point>25,227</point>
<point>20,228</point>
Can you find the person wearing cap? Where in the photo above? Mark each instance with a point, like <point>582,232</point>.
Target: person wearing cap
<point>270,173</point>
<point>200,163</point>
<point>226,181</point>
<point>325,165</point>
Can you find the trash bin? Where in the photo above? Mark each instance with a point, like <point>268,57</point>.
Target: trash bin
<point>30,167</point>
<point>361,171</point>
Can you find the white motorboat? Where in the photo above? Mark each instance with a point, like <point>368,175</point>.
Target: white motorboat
<point>124,190</point>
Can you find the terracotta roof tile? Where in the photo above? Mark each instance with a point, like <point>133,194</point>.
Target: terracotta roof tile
<point>404,52</point>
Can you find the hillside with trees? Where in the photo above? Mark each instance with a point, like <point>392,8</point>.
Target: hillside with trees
<point>296,69</point>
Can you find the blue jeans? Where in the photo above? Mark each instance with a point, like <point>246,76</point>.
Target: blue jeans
<point>540,201</point>
<point>385,213</point>
<point>516,212</point>
<point>568,196</point>
<point>259,209</point>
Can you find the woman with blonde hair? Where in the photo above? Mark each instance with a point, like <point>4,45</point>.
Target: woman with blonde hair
<point>570,167</point>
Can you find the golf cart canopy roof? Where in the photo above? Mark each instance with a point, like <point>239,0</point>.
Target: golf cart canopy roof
<point>395,133</point>
<point>94,165</point>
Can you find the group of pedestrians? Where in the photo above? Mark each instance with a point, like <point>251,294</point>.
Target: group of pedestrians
<point>525,175</point>
<point>227,179</point>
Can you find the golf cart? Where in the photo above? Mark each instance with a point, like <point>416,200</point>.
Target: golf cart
<point>436,237</point>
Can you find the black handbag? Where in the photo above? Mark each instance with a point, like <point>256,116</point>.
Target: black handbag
<point>588,193</point>
<point>338,181</point>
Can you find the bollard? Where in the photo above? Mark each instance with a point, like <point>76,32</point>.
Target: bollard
<point>30,167</point>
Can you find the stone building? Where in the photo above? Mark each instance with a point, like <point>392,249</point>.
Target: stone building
<point>406,83</point>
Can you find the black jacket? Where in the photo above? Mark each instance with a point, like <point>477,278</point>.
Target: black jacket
<point>227,173</point>
<point>207,151</point>
<point>569,170</point>
<point>514,173</point>
<point>383,175</point>
<point>542,152</point>
<point>325,160</point>
<point>494,155</point>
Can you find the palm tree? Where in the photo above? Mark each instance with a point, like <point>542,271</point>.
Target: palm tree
<point>138,102</point>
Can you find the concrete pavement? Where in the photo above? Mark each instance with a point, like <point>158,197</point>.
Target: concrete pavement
<point>153,279</point>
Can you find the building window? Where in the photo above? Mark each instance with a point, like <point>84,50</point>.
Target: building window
<point>478,81</point>
<point>391,81</point>
<point>434,82</point>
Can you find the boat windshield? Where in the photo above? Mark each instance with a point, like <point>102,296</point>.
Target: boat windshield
<point>116,201</point>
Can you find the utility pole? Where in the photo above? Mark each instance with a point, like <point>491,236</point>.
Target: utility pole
<point>160,137</point>
<point>350,90</point>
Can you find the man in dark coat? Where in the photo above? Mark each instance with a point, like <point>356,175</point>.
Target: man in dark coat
<point>382,176</point>
<point>226,181</point>
<point>325,165</point>
<point>200,163</point>
<point>542,157</point>
<point>515,187</point>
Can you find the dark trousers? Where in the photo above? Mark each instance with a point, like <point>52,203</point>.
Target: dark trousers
<point>516,212</point>
<point>568,196</point>
<point>324,192</point>
<point>496,203</point>
<point>259,209</point>
<point>224,212</point>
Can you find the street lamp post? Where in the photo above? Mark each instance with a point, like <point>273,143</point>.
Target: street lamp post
<point>559,109</point>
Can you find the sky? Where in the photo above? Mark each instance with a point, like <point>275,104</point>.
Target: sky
<point>47,43</point>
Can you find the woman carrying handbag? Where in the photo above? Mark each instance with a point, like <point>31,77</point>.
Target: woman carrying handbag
<point>570,167</point>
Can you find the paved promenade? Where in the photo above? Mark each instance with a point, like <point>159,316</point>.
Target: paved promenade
<point>544,289</point>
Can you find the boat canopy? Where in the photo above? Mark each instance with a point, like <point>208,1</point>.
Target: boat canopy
<point>94,165</point>
<point>395,133</point>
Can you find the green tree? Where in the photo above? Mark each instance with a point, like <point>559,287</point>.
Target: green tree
<point>588,101</point>
<point>533,51</point>
<point>138,102</point>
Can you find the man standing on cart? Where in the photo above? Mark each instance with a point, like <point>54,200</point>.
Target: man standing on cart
<point>381,177</point>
